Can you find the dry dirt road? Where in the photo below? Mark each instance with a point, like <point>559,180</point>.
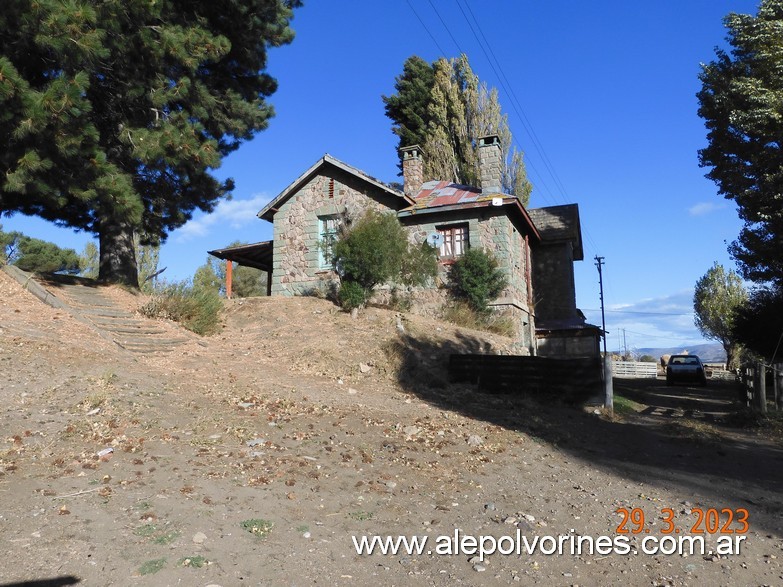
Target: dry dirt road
<point>254,457</point>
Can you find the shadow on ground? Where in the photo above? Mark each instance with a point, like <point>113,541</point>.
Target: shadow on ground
<point>717,399</point>
<point>720,470</point>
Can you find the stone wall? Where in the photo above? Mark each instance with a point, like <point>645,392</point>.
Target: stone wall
<point>553,277</point>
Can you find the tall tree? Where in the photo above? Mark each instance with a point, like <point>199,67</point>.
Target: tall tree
<point>147,257</point>
<point>408,107</point>
<point>444,108</point>
<point>759,323</point>
<point>741,101</point>
<point>114,113</point>
<point>717,297</point>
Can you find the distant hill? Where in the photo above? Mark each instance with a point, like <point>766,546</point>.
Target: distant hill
<point>709,353</point>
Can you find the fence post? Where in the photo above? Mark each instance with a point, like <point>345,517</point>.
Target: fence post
<point>747,385</point>
<point>778,374</point>
<point>608,389</point>
<point>761,386</point>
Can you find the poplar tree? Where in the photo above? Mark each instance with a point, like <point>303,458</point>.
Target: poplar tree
<point>717,297</point>
<point>114,113</point>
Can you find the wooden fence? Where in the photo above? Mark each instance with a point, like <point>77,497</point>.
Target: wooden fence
<point>754,377</point>
<point>569,380</point>
<point>635,369</point>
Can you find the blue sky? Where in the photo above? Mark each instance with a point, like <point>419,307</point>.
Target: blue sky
<point>600,97</point>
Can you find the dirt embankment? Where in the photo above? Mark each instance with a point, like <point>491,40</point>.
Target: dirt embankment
<point>254,456</point>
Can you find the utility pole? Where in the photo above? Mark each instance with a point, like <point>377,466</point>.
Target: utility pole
<point>599,261</point>
<point>607,364</point>
<point>625,346</point>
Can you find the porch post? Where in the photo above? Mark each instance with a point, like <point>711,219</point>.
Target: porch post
<point>229,276</point>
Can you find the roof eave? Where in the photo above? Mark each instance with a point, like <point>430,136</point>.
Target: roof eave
<point>514,202</point>
<point>268,211</point>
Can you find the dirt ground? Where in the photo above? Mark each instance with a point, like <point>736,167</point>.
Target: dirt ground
<point>254,456</point>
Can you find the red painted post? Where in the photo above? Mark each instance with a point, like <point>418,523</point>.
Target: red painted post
<point>229,276</point>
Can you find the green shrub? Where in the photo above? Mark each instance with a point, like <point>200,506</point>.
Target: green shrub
<point>477,279</point>
<point>352,295</point>
<point>376,250</point>
<point>197,309</point>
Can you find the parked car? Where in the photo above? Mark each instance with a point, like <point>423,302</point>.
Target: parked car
<point>685,369</point>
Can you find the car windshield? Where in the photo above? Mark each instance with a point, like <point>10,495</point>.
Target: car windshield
<point>685,361</point>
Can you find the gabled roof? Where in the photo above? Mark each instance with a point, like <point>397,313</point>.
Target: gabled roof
<point>444,197</point>
<point>268,212</point>
<point>560,224</point>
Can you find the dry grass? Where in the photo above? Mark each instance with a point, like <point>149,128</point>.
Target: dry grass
<point>498,322</point>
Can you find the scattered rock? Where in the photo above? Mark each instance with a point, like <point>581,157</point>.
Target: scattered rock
<point>475,440</point>
<point>199,538</point>
<point>255,442</point>
<point>246,405</point>
<point>490,507</point>
<point>411,430</point>
<point>364,367</point>
<point>352,391</point>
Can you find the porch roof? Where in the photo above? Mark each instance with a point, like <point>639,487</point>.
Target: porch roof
<point>257,255</point>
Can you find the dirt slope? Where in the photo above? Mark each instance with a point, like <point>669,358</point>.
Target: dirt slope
<point>298,417</point>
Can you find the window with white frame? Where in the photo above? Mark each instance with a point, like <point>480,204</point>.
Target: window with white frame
<point>454,241</point>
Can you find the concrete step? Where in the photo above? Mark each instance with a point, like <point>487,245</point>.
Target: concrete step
<point>83,297</point>
<point>140,330</point>
<point>105,312</point>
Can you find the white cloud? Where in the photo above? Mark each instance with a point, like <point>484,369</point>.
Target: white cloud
<point>653,322</point>
<point>228,214</point>
<point>703,208</point>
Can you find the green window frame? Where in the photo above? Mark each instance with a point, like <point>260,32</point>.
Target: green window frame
<point>327,236</point>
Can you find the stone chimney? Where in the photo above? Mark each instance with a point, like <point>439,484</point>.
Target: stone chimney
<point>490,164</point>
<point>412,170</point>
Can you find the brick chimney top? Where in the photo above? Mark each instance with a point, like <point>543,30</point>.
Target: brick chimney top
<point>412,170</point>
<point>490,164</point>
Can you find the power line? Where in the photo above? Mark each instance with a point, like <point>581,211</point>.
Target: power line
<point>642,313</point>
<point>434,40</point>
<point>516,105</point>
<point>445,26</point>
<point>542,183</point>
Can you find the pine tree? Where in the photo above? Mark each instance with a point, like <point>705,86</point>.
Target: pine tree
<point>408,107</point>
<point>36,255</point>
<point>115,112</point>
<point>741,101</point>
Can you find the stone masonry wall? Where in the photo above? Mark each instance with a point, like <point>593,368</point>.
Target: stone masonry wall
<point>553,276</point>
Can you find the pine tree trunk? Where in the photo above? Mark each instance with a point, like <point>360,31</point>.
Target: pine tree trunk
<point>117,254</point>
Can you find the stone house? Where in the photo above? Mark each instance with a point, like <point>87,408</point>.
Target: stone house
<point>535,248</point>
